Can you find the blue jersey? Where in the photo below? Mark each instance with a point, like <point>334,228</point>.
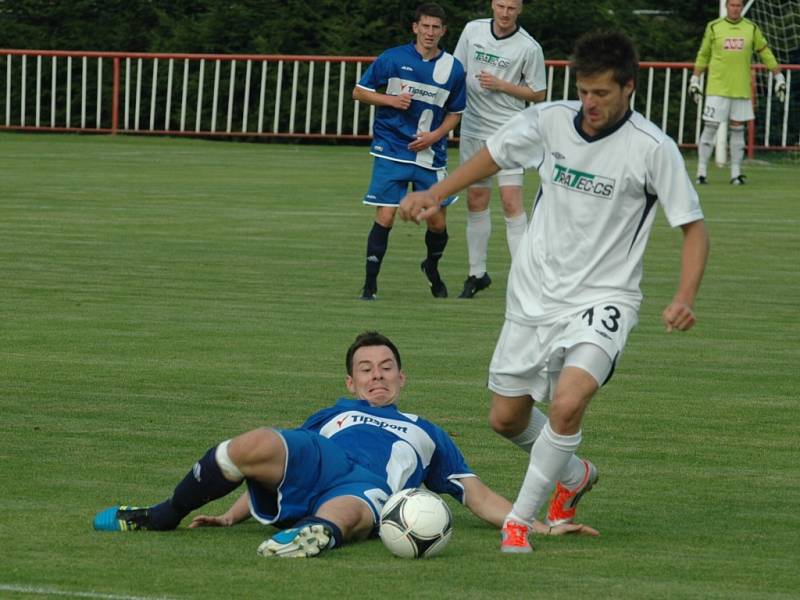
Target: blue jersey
<point>404,448</point>
<point>437,86</point>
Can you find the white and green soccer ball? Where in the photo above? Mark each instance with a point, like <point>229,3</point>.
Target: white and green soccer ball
<point>415,523</point>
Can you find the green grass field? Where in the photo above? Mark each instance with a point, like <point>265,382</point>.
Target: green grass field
<point>160,295</point>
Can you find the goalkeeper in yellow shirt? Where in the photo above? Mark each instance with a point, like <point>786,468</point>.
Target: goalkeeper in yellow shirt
<point>726,51</point>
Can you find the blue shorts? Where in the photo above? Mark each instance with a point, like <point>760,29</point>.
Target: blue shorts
<point>390,181</point>
<point>317,470</point>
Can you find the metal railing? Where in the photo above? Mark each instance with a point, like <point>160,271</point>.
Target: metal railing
<point>290,96</point>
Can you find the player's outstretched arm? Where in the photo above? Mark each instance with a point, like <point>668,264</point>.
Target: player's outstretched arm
<point>490,506</point>
<point>679,314</point>
<point>237,513</point>
<point>418,206</point>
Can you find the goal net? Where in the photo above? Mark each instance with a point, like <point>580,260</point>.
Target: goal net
<point>778,124</point>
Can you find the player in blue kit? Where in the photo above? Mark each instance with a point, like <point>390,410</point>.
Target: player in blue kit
<point>327,480</point>
<point>423,95</point>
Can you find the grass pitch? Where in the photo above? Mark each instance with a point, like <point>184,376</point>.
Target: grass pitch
<point>160,295</point>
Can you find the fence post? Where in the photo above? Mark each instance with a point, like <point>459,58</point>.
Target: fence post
<point>115,98</point>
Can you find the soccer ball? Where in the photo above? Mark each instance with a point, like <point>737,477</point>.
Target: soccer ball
<point>415,523</point>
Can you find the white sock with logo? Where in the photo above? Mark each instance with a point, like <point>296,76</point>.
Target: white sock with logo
<point>479,229</point>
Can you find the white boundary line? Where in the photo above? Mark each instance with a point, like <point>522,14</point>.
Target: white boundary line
<point>49,591</point>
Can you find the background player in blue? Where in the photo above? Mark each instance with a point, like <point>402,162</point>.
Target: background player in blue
<point>328,479</point>
<point>423,96</point>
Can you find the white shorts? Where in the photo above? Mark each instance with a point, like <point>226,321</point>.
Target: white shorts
<point>528,359</point>
<point>469,147</point>
<point>721,109</point>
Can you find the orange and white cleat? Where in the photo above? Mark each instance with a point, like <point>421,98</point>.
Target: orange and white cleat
<point>562,507</point>
<point>514,538</point>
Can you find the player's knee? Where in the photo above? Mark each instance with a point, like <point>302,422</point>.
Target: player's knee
<point>351,515</point>
<point>709,134</point>
<point>566,415</point>
<point>506,423</point>
<point>255,447</point>
<point>478,198</point>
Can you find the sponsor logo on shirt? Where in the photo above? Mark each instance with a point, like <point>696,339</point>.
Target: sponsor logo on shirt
<point>580,181</point>
<point>363,419</point>
<point>410,88</point>
<point>492,59</point>
<point>735,44</point>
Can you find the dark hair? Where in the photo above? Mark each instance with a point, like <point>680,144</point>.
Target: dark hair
<point>602,51</point>
<point>430,9</point>
<point>370,338</point>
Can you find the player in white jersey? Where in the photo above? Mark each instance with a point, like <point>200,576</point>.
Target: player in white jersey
<point>327,480</point>
<point>505,69</point>
<point>573,292</point>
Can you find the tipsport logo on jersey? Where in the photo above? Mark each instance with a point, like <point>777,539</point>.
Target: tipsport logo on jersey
<point>491,59</point>
<point>586,183</point>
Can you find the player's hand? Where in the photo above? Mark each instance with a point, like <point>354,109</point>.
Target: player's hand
<point>209,521</point>
<point>424,139</point>
<point>780,87</point>
<point>695,91</point>
<point>401,101</point>
<point>418,206</point>
<point>564,529</point>
<point>678,316</point>
<point>489,82</point>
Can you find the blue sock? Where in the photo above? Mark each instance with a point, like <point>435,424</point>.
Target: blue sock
<point>377,243</point>
<point>202,484</point>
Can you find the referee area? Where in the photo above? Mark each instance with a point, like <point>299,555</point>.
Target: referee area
<point>160,295</point>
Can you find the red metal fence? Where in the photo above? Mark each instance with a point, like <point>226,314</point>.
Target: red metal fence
<point>291,96</point>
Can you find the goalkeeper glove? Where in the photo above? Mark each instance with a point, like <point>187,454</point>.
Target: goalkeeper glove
<point>780,87</point>
<point>694,89</point>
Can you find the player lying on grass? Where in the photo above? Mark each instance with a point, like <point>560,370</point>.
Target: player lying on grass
<point>326,481</point>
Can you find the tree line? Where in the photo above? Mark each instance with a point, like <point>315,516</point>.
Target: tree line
<point>668,30</point>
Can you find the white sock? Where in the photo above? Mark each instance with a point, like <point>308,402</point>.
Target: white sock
<point>515,229</point>
<point>479,229</point>
<point>550,454</point>
<point>573,473</point>
<point>705,148</point>
<point>526,439</point>
<point>737,150</point>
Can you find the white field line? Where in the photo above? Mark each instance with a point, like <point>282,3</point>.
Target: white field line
<point>49,591</point>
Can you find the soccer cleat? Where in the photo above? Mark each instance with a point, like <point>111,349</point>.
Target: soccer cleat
<point>473,285</point>
<point>438,288</point>
<point>514,538</point>
<point>564,503</point>
<point>738,180</point>
<point>701,180</point>
<point>299,542</point>
<point>122,518</point>
<point>368,293</point>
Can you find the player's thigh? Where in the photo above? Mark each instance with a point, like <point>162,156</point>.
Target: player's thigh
<point>717,109</point>
<point>595,338</point>
<point>467,148</point>
<point>741,110</point>
<point>314,465</point>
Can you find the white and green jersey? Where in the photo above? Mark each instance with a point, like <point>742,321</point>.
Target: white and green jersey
<point>593,211</point>
<point>727,50</point>
<point>516,58</point>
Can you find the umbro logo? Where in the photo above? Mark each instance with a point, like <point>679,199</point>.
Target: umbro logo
<point>405,68</point>
<point>196,471</point>
<point>558,155</point>
<point>372,258</point>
